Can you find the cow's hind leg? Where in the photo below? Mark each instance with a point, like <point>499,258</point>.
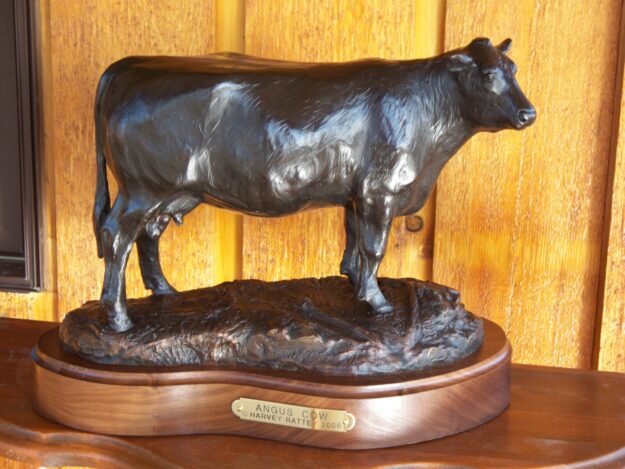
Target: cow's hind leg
<point>374,224</point>
<point>150,264</point>
<point>120,230</point>
<point>350,265</point>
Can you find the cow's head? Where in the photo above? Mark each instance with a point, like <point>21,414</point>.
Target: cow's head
<point>492,99</point>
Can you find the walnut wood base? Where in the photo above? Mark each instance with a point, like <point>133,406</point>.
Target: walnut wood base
<point>385,411</point>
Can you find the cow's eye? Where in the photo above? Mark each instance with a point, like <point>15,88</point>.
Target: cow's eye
<point>489,77</point>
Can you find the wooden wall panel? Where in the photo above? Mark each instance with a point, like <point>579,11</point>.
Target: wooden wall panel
<point>519,216</point>
<point>85,37</point>
<point>311,243</point>
<point>612,334</point>
<point>38,305</point>
<point>610,346</point>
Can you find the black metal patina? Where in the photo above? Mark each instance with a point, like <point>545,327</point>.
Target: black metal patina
<point>271,138</point>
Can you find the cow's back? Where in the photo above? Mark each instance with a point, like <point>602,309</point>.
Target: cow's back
<point>202,122</point>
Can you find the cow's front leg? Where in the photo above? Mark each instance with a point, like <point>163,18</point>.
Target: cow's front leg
<point>374,224</point>
<point>350,265</point>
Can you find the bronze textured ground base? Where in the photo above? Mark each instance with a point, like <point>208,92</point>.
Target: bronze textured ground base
<point>313,325</point>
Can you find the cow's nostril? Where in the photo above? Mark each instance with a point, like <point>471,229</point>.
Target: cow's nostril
<point>526,115</point>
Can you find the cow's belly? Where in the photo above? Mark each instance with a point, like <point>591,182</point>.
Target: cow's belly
<point>266,165</point>
<point>237,156</point>
<point>274,185</point>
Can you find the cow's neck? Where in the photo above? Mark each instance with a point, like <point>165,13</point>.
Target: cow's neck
<point>448,131</point>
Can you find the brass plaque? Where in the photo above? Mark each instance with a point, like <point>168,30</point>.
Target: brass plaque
<point>310,418</point>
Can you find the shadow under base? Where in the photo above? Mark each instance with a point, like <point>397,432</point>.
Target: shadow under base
<point>314,325</point>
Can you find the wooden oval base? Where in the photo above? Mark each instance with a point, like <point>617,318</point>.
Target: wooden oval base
<point>345,412</point>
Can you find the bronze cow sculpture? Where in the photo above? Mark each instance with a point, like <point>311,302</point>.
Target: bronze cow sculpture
<point>271,138</point>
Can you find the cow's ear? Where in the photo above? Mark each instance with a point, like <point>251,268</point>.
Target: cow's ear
<point>459,62</point>
<point>504,47</point>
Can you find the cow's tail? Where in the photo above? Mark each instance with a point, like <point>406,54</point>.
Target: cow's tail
<point>102,202</point>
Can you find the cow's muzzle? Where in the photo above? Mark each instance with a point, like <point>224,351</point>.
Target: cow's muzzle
<point>525,117</point>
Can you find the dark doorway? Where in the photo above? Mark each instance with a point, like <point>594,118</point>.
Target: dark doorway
<point>19,220</point>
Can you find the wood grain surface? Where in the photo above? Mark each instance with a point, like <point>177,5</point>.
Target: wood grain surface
<point>556,418</point>
<point>519,216</point>
<point>85,37</point>
<point>312,243</point>
<point>610,329</point>
<point>36,305</point>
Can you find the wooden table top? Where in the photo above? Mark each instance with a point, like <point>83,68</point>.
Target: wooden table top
<point>556,417</point>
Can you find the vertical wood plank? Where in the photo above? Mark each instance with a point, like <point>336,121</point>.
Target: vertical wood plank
<point>519,216</point>
<point>311,243</point>
<point>610,330</point>
<point>86,36</point>
<point>230,25</point>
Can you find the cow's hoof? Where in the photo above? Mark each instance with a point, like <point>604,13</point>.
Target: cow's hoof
<point>120,324</point>
<point>378,304</point>
<point>159,286</point>
<point>383,309</point>
<point>353,278</point>
<point>349,272</point>
<point>162,291</point>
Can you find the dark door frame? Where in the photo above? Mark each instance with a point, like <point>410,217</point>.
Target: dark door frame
<point>30,139</point>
